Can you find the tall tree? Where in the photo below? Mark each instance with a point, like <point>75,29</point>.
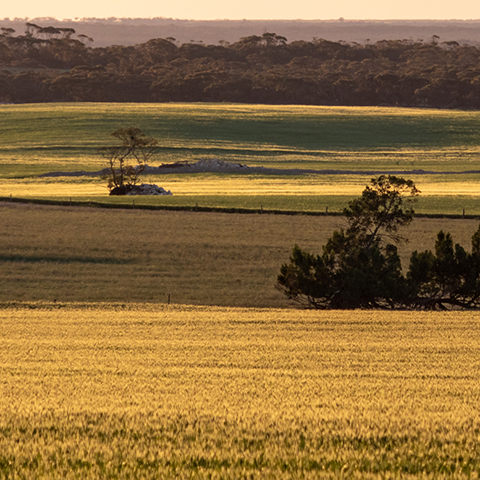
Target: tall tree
<point>357,269</point>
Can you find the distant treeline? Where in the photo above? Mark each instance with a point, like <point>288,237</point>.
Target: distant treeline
<point>50,64</point>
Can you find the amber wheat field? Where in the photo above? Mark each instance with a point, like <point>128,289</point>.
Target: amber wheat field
<point>131,390</point>
<point>149,391</point>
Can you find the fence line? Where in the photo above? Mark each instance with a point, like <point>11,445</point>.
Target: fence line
<point>198,208</point>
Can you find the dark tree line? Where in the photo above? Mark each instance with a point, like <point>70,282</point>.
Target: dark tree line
<point>55,64</point>
<point>359,267</point>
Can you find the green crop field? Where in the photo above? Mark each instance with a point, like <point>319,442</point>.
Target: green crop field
<point>66,137</point>
<point>101,391</point>
<point>256,134</point>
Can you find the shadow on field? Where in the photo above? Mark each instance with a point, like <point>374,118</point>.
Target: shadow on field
<point>64,259</point>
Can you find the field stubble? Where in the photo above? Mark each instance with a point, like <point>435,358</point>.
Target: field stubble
<point>86,254</point>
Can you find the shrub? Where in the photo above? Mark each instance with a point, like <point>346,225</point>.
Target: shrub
<point>135,147</point>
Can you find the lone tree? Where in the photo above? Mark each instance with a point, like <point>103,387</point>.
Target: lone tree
<point>357,269</point>
<point>135,148</point>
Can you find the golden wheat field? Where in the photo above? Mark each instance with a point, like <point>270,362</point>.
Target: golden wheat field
<point>147,391</point>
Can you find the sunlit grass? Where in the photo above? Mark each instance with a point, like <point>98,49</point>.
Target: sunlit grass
<point>448,194</point>
<point>254,134</point>
<point>231,184</point>
<point>65,137</point>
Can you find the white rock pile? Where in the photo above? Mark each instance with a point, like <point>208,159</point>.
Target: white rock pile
<point>215,164</point>
<point>148,189</point>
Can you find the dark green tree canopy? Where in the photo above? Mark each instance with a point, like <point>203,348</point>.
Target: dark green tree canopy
<point>358,269</point>
<point>255,69</point>
<point>447,278</point>
<point>384,206</point>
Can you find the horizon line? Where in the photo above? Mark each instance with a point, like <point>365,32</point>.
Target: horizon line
<point>338,20</point>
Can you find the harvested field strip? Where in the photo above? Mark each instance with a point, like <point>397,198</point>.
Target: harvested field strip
<point>134,255</point>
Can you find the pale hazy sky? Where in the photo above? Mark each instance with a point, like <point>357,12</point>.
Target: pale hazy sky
<point>248,9</point>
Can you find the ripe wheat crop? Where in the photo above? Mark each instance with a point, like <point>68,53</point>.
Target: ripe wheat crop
<point>105,391</point>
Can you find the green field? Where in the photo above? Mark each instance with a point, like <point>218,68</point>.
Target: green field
<point>316,137</point>
<point>99,391</point>
<point>66,137</point>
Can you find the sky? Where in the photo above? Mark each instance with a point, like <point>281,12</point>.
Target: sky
<point>246,9</point>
